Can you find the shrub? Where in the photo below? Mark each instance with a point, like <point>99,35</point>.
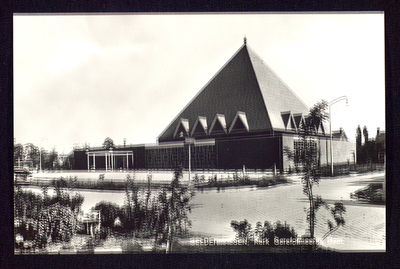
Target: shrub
<point>372,193</point>
<point>109,212</point>
<point>39,219</point>
<point>268,231</point>
<point>242,229</point>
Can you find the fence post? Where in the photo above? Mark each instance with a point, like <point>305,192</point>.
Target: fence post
<point>274,171</point>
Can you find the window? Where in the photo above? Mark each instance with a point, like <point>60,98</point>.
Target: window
<point>300,146</point>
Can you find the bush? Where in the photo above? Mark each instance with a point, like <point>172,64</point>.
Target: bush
<point>104,232</point>
<point>131,247</point>
<point>265,182</point>
<point>38,219</point>
<point>242,229</point>
<point>109,212</point>
<point>268,231</point>
<point>372,193</point>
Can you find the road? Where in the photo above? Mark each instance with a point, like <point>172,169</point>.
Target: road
<point>364,230</point>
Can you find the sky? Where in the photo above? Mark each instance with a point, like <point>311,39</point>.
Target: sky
<point>82,78</point>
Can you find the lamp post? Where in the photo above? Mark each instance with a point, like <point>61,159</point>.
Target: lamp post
<point>330,123</point>
<point>189,141</point>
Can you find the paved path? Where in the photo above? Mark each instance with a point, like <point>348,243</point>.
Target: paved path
<point>212,212</point>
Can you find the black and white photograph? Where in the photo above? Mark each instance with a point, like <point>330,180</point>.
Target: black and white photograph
<point>165,133</point>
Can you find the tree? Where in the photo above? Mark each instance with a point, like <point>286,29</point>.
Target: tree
<point>41,217</point>
<point>108,143</point>
<point>160,209</point>
<point>133,206</point>
<point>109,212</point>
<point>50,159</point>
<point>147,206</point>
<point>44,157</point>
<point>358,137</point>
<point>308,157</point>
<point>32,153</point>
<point>178,206</point>
<point>358,143</point>
<point>366,144</point>
<point>58,222</point>
<point>18,153</point>
<point>365,133</point>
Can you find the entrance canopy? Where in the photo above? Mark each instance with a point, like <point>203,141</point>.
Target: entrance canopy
<point>112,159</point>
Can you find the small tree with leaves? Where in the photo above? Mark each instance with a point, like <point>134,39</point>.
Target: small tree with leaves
<point>308,157</point>
<point>133,206</point>
<point>178,206</point>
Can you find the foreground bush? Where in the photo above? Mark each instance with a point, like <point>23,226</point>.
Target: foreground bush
<point>41,219</point>
<point>266,232</point>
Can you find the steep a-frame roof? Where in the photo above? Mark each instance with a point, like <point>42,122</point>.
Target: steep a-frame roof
<point>245,83</point>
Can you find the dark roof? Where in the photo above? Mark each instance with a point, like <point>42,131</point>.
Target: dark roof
<point>244,84</point>
<point>339,134</point>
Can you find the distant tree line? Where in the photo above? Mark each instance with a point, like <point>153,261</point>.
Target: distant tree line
<point>29,155</point>
<point>367,152</point>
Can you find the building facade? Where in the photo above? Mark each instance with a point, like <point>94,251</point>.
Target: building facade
<point>244,116</point>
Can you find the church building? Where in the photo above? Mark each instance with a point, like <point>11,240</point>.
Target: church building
<point>244,116</point>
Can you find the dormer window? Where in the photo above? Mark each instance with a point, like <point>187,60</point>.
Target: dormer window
<point>182,129</point>
<point>289,121</point>
<point>239,123</point>
<point>218,125</point>
<point>200,127</point>
<point>298,120</point>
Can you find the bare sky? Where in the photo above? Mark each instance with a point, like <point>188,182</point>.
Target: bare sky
<point>83,78</point>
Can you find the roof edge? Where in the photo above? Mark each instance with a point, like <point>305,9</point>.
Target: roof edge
<point>258,83</point>
<point>284,83</point>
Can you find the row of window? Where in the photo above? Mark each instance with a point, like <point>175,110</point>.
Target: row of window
<point>218,126</point>
<point>201,157</point>
<point>297,120</point>
<point>300,146</point>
